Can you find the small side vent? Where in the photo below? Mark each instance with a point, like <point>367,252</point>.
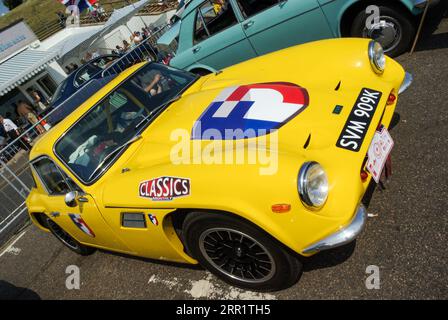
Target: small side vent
<point>307,142</point>
<point>338,86</point>
<point>133,220</point>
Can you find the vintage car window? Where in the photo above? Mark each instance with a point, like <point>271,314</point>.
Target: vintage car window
<point>56,182</point>
<point>60,90</point>
<point>85,74</point>
<point>212,17</point>
<point>104,62</point>
<point>250,8</point>
<point>97,138</point>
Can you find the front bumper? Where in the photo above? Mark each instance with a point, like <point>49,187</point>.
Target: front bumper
<point>406,83</point>
<point>342,236</point>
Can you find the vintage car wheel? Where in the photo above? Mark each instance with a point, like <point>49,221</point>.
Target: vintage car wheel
<point>240,253</point>
<point>395,31</point>
<point>68,240</point>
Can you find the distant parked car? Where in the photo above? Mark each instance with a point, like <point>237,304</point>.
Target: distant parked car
<point>56,115</point>
<point>90,77</point>
<point>216,34</point>
<point>179,11</point>
<point>80,77</point>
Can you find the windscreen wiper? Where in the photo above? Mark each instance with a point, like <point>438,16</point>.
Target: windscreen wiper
<point>100,166</point>
<point>177,97</point>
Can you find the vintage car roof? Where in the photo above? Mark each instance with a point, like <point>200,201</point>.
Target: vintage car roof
<point>44,144</point>
<point>190,7</point>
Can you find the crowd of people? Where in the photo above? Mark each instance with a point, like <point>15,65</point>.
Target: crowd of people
<point>96,12</point>
<point>26,115</point>
<point>135,39</point>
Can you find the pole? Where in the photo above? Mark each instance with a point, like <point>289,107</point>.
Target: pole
<point>420,27</point>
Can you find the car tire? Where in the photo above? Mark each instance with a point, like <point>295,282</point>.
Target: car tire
<point>67,239</point>
<point>397,38</point>
<point>242,254</point>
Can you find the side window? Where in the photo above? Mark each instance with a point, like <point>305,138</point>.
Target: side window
<point>55,181</point>
<point>212,17</point>
<point>252,7</point>
<point>85,74</point>
<point>104,62</point>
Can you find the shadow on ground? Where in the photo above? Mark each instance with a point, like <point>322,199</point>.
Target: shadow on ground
<point>428,39</point>
<point>9,291</point>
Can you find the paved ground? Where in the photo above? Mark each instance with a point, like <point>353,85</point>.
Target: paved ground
<point>407,240</point>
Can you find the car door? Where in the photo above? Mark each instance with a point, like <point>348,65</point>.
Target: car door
<point>272,25</point>
<point>218,38</point>
<point>83,222</point>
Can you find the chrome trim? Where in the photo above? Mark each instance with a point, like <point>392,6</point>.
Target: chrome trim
<point>344,235</point>
<point>376,68</point>
<point>302,185</point>
<point>408,78</point>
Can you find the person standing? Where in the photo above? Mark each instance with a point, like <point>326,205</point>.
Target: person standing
<point>38,99</point>
<point>62,18</point>
<point>137,38</point>
<point>12,132</point>
<point>25,111</point>
<point>74,66</point>
<point>126,45</point>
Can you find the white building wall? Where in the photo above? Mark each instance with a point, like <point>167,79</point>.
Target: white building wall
<point>56,72</point>
<point>136,23</point>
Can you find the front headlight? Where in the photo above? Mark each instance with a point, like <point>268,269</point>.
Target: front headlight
<point>377,57</point>
<point>313,185</point>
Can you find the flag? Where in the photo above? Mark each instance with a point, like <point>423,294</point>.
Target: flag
<point>82,4</point>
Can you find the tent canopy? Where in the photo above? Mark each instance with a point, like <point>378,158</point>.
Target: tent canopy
<point>22,67</point>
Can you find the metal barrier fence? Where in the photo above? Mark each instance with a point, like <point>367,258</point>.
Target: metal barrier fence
<point>146,51</point>
<point>15,173</point>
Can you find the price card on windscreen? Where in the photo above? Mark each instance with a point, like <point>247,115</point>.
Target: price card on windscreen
<point>379,150</point>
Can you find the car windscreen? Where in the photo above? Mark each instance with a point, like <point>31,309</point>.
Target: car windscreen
<point>60,90</point>
<point>62,110</point>
<point>85,74</point>
<point>93,143</point>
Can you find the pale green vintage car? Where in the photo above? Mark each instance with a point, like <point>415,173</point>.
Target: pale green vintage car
<point>215,34</point>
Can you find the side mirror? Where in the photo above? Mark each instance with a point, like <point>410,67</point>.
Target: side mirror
<point>71,199</point>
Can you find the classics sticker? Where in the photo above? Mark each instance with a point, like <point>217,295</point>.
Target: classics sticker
<point>165,188</point>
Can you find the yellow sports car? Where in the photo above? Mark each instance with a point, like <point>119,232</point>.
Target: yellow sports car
<point>243,171</point>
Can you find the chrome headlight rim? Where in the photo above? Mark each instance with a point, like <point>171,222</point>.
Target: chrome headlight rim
<point>302,186</point>
<point>373,57</point>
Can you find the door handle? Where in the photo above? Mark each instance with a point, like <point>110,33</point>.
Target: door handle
<point>196,49</point>
<point>83,199</point>
<point>54,214</point>
<point>282,3</point>
<point>248,24</point>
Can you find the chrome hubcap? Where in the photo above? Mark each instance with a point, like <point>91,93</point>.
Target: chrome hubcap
<point>237,255</point>
<point>387,32</point>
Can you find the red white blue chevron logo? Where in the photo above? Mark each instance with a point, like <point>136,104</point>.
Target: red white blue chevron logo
<point>254,109</point>
<point>80,223</point>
